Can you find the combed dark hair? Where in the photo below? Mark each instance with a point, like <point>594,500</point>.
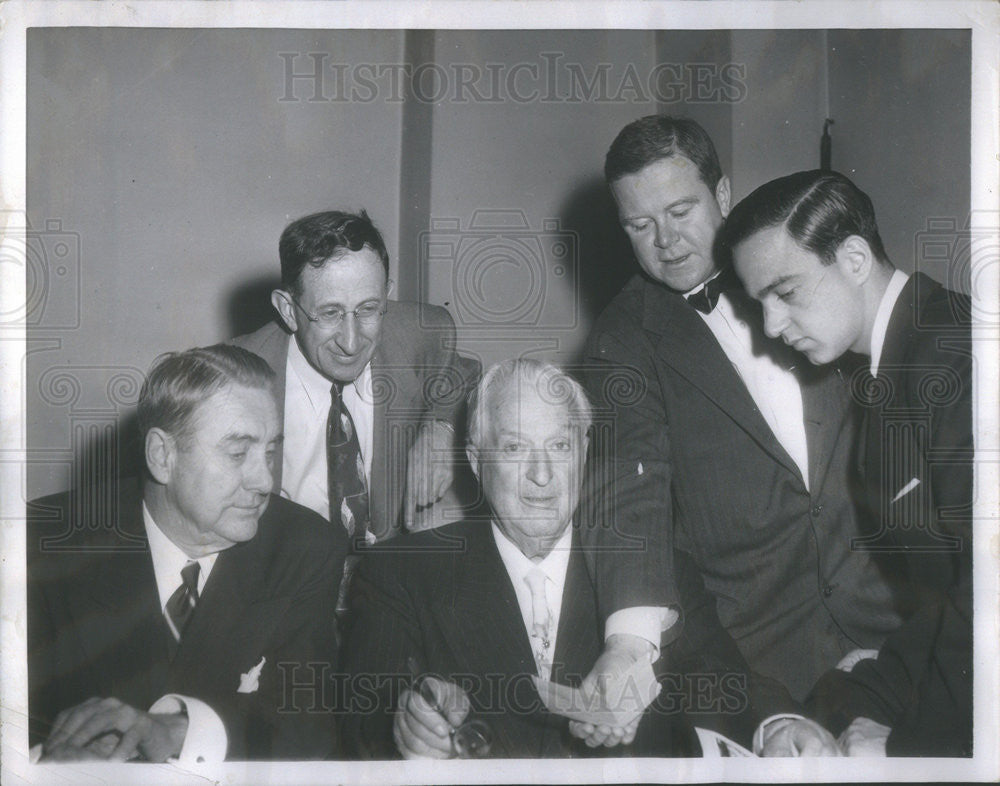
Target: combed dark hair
<point>819,209</point>
<point>552,384</point>
<point>654,137</point>
<point>315,239</point>
<point>179,381</point>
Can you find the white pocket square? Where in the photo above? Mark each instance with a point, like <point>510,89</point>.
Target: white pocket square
<point>906,489</point>
<point>250,681</point>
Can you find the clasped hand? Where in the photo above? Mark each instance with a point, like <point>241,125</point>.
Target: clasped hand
<point>110,730</point>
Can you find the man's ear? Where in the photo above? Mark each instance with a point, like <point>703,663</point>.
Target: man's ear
<point>160,449</point>
<point>723,195</point>
<point>855,258</point>
<point>472,454</point>
<point>282,302</point>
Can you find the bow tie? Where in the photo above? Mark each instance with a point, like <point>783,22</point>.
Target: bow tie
<point>706,298</point>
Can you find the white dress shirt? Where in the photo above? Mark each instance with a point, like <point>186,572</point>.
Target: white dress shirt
<point>206,739</point>
<point>775,390</point>
<point>553,565</point>
<point>885,307</point>
<point>307,406</point>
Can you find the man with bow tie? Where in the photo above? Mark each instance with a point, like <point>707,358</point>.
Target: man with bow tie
<point>190,617</point>
<point>722,444</point>
<point>807,247</point>
<point>489,603</point>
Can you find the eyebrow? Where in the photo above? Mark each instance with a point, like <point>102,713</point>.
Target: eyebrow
<point>683,201</point>
<point>236,437</point>
<point>774,285</point>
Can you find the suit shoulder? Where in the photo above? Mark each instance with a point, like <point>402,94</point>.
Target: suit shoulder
<point>292,529</point>
<point>263,341</point>
<point>425,553</point>
<point>620,322</point>
<point>410,314</point>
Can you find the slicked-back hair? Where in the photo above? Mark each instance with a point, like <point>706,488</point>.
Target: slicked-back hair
<point>655,137</point>
<point>318,238</point>
<point>552,384</point>
<point>819,209</point>
<point>179,381</point>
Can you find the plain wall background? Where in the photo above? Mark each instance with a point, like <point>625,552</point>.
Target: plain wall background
<point>163,165</point>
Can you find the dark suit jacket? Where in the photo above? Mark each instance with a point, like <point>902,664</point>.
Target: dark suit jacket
<point>416,374</point>
<point>444,598</point>
<point>918,417</point>
<point>95,626</point>
<point>691,462</point>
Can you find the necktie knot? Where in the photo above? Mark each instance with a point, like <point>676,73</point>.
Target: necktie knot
<point>189,577</point>
<point>706,298</point>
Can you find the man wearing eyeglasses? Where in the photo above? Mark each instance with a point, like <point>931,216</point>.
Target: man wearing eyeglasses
<point>369,387</point>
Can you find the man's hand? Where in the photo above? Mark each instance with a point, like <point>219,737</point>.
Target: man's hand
<point>429,473</point>
<point>864,737</point>
<point>423,732</point>
<point>95,725</point>
<point>621,651</point>
<point>798,737</point>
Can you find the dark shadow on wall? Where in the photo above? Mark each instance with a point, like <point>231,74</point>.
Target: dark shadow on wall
<point>605,260</point>
<point>249,305</point>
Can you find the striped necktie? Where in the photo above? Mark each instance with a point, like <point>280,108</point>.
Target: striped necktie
<point>181,605</point>
<point>348,487</point>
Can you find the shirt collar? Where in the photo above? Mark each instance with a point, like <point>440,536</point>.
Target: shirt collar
<point>885,307</point>
<point>316,386</point>
<point>169,559</point>
<point>702,285</point>
<point>553,564</point>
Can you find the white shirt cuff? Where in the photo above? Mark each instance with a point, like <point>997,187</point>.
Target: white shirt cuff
<point>206,739</point>
<point>646,622</point>
<point>758,736</point>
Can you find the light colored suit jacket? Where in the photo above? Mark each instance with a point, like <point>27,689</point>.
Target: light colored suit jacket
<point>416,374</point>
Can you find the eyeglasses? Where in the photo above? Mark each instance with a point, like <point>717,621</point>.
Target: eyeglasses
<point>366,314</point>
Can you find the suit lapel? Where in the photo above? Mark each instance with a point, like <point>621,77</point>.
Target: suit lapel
<point>117,615</point>
<point>825,404</point>
<point>399,405</point>
<point>577,643</point>
<point>236,591</point>
<point>689,347</point>
<point>487,618</point>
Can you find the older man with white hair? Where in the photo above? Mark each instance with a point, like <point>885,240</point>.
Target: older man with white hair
<point>488,603</point>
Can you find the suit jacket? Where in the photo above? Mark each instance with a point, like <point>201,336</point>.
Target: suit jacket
<point>416,374</point>
<point>690,461</point>
<point>444,598</point>
<point>96,628</point>
<point>918,425</point>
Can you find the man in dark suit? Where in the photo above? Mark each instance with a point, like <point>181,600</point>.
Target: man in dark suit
<point>193,617</point>
<point>719,443</point>
<point>808,248</point>
<point>388,367</point>
<point>462,602</point>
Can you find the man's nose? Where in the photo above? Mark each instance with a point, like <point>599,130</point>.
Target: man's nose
<point>539,470</point>
<point>348,337</point>
<point>666,234</point>
<point>257,476</point>
<point>774,321</point>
